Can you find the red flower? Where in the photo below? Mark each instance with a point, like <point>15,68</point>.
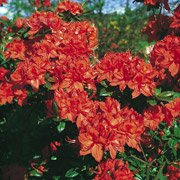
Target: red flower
<point>153,116</point>
<point>20,22</point>
<point>6,93</point>
<point>38,3</point>
<point>91,143</point>
<point>15,50</point>
<point>157,27</point>
<point>78,76</point>
<point>44,20</point>
<point>166,53</point>
<point>143,80</point>
<point>111,68</point>
<point>123,70</point>
<point>109,129</point>
<point>175,24</point>
<point>113,170</point>
<point>47,3</point>
<point>173,172</point>
<point>3,73</point>
<point>174,107</point>
<point>73,104</point>
<point>73,7</point>
<point>156,3</point>
<point>4,18</point>
<point>131,127</point>
<point>21,96</point>
<point>28,73</point>
<point>54,145</point>
<point>171,111</point>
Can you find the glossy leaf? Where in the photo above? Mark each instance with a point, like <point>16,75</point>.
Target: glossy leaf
<point>35,173</point>
<point>61,126</point>
<point>104,92</point>
<point>71,173</point>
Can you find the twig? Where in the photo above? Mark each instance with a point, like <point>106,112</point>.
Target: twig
<point>139,159</point>
<point>143,152</point>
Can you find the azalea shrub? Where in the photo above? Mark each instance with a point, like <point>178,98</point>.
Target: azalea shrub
<point>66,114</point>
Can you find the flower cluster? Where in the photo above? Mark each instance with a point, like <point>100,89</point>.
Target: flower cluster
<point>157,27</point>
<point>113,170</point>
<point>62,54</point>
<point>109,129</point>
<point>171,111</point>
<point>153,116</point>
<point>175,22</point>
<point>123,70</point>
<point>160,25</point>
<point>173,172</point>
<point>156,114</point>
<point>103,126</point>
<point>165,55</point>
<point>72,107</point>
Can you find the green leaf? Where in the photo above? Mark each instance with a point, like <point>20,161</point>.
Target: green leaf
<point>71,173</point>
<point>10,34</point>
<point>6,23</point>
<point>176,95</point>
<point>53,158</point>
<point>172,143</point>
<point>167,99</point>
<point>152,102</point>
<point>160,175</point>
<point>103,83</point>
<point>36,157</point>
<point>56,177</point>
<point>177,131</point>
<point>56,119</point>
<point>103,92</point>
<point>26,35</point>
<point>35,173</point>
<point>55,108</point>
<point>138,177</point>
<point>48,85</point>
<point>157,91</point>
<point>2,57</point>
<point>167,95</point>
<point>61,126</point>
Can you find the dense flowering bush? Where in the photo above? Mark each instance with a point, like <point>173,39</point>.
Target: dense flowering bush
<point>113,118</point>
